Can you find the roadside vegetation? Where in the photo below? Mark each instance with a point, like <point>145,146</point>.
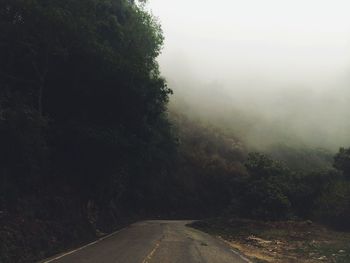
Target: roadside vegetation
<point>254,185</point>
<point>83,125</point>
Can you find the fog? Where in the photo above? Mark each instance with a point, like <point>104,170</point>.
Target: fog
<point>272,71</point>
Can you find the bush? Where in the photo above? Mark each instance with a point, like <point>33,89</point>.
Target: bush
<point>264,199</point>
<point>333,205</point>
<point>342,161</point>
<point>265,196</point>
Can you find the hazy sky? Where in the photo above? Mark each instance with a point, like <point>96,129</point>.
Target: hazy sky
<point>288,37</point>
<point>292,54</point>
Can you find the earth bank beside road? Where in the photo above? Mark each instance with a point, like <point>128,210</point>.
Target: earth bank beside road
<point>284,242</point>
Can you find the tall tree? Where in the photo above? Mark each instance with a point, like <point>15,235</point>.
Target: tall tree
<point>87,71</point>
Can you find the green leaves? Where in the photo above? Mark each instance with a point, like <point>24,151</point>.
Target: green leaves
<point>88,67</point>
<point>261,166</point>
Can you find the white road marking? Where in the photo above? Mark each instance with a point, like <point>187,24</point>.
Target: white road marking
<point>146,260</point>
<point>240,255</point>
<point>149,256</point>
<point>78,249</point>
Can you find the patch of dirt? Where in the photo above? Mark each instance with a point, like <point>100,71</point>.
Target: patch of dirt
<point>249,251</point>
<point>281,242</point>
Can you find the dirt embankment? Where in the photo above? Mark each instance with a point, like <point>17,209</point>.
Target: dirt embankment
<point>281,242</point>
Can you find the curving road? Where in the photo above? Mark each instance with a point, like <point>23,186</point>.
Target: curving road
<point>153,242</point>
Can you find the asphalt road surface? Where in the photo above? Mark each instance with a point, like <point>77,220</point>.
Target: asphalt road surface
<point>153,242</point>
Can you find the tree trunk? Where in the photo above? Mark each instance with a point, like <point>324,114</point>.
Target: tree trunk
<point>40,98</point>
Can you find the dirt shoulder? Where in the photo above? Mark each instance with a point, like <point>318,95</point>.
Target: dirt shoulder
<point>286,241</point>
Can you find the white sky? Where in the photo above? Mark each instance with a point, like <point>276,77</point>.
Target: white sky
<point>305,41</point>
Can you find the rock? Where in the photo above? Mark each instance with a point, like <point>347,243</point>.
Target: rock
<point>341,251</point>
<point>99,233</point>
<point>322,258</point>
<point>309,222</point>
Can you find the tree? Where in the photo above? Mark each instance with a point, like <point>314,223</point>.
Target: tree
<point>342,161</point>
<point>84,73</point>
<point>266,193</point>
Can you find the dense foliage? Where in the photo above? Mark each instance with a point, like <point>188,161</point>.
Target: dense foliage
<point>274,191</point>
<point>82,103</point>
<point>218,177</point>
<point>209,167</point>
<point>342,161</point>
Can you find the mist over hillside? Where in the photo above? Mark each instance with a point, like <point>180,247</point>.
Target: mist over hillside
<point>271,72</point>
<point>299,117</point>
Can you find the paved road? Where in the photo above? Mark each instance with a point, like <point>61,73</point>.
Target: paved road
<point>154,242</point>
